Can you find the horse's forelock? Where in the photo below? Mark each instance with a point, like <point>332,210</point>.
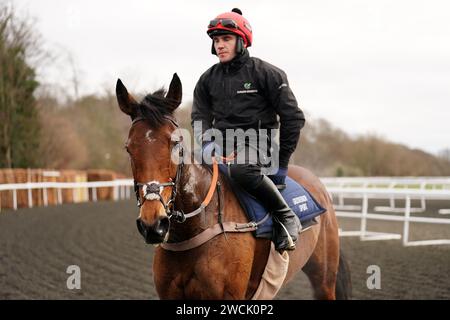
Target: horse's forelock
<point>155,107</point>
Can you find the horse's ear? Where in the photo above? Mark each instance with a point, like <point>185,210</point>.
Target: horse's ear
<point>126,102</point>
<point>175,90</point>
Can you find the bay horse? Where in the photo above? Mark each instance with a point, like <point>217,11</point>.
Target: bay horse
<point>228,265</point>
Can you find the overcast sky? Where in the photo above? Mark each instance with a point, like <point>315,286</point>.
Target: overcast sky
<point>377,66</point>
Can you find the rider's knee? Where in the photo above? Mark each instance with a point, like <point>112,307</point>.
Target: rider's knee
<point>247,176</point>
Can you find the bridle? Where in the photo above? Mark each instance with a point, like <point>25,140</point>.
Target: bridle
<point>153,190</point>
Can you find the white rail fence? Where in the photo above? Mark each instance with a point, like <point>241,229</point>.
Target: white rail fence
<point>390,183</point>
<point>365,194</point>
<point>121,189</point>
<point>397,188</point>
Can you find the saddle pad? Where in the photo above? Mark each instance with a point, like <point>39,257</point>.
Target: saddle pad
<point>297,197</point>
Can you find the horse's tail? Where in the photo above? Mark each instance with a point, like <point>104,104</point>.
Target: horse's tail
<point>343,281</point>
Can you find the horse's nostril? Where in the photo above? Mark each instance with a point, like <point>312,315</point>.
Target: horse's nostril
<point>140,226</point>
<point>154,233</point>
<point>162,226</point>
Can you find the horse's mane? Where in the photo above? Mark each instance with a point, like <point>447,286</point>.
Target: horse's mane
<point>156,108</point>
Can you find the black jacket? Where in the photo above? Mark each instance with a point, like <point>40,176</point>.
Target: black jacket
<point>248,93</point>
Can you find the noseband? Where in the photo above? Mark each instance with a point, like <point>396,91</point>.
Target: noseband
<point>153,190</point>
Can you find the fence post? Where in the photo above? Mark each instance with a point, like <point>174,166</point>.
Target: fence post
<point>15,199</point>
<point>406,223</point>
<point>44,194</point>
<point>422,199</point>
<point>30,199</point>
<point>392,199</point>
<point>59,196</point>
<point>115,193</point>
<point>364,216</point>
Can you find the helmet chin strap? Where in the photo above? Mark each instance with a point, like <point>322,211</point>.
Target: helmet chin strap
<point>239,47</point>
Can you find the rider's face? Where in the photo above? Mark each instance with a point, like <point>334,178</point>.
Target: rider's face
<point>225,46</point>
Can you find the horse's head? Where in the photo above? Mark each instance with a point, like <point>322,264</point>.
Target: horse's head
<point>150,146</point>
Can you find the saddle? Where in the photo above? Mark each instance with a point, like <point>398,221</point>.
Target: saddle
<point>297,197</point>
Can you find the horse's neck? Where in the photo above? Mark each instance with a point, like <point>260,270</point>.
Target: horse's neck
<point>194,185</point>
<point>193,188</point>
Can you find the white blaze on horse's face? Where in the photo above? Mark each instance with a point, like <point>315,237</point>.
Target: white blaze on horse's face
<point>148,136</point>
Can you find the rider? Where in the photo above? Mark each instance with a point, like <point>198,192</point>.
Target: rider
<point>243,92</point>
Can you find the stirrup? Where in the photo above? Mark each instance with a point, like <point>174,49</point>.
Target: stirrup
<point>291,244</point>
<point>288,247</point>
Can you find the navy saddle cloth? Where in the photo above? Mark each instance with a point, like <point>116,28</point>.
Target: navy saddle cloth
<point>297,197</point>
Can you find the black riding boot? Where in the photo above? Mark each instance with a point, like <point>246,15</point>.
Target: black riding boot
<point>271,198</point>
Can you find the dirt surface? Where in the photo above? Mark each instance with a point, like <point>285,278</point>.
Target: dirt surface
<point>37,246</point>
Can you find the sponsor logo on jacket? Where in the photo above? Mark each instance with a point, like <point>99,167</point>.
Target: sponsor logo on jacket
<point>248,89</point>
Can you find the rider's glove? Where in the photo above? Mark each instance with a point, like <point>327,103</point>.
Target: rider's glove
<point>209,150</point>
<point>279,178</point>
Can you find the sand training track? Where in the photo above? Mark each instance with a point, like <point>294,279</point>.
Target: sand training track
<point>37,245</point>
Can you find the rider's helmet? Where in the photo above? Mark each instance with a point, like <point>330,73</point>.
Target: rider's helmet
<point>232,23</point>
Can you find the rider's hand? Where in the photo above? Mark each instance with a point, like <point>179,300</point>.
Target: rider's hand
<point>209,150</point>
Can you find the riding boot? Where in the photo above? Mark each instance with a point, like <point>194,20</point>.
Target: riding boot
<point>286,224</point>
